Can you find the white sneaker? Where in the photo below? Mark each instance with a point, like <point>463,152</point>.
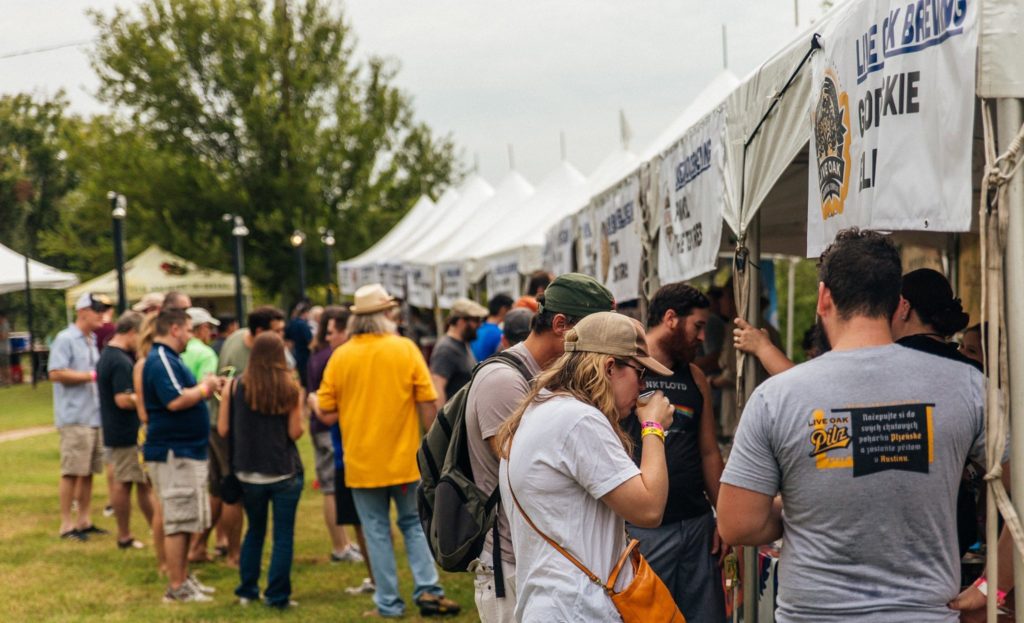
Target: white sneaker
<point>367,587</point>
<point>350,554</point>
<point>184,594</point>
<point>198,586</point>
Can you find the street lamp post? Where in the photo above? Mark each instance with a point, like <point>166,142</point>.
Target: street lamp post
<point>298,241</point>
<point>327,237</point>
<point>118,210</point>
<point>238,231</point>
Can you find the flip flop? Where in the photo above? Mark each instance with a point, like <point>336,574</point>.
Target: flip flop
<point>130,543</point>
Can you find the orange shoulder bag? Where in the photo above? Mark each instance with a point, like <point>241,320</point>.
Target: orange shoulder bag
<point>645,600</point>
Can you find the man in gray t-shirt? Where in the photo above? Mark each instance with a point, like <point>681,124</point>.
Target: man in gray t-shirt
<point>866,445</point>
<point>496,393</point>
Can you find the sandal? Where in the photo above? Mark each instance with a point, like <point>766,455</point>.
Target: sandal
<point>74,535</point>
<point>92,529</point>
<point>130,543</point>
<point>436,605</point>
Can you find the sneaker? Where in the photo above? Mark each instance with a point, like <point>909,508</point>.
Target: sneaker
<point>244,601</point>
<point>130,543</point>
<point>349,554</point>
<point>366,588</point>
<point>93,530</point>
<point>108,511</point>
<point>185,593</point>
<point>198,586</point>
<point>74,535</point>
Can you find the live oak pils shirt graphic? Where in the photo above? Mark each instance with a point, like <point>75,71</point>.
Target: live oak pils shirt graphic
<point>873,438</point>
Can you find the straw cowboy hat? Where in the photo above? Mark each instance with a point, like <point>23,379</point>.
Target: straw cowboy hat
<point>371,299</point>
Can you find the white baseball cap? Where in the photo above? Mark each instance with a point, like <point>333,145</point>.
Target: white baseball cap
<point>97,302</point>
<point>201,316</point>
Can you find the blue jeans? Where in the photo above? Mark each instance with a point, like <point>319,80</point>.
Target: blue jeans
<point>374,506</point>
<point>283,496</point>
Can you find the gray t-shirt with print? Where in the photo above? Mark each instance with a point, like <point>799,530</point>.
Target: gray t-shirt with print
<point>867,448</point>
<point>496,392</point>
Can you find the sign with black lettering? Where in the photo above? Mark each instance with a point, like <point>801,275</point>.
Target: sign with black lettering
<point>419,285</point>
<point>892,119</point>
<point>451,284</point>
<point>691,182</point>
<point>892,437</point>
<point>558,249</point>
<point>503,277</point>
<point>616,238</point>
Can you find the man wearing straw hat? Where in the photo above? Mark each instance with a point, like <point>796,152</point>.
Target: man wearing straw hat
<point>377,387</point>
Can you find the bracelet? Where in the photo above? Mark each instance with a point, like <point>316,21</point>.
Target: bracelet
<point>652,424</point>
<point>204,391</point>
<point>653,431</point>
<point>92,375</point>
<point>982,585</point>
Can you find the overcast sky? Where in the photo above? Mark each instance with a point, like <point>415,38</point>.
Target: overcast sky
<point>489,73</point>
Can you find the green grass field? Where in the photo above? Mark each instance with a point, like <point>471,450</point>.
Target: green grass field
<point>45,579</point>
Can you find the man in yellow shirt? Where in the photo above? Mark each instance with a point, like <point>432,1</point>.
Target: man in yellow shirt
<point>375,385</point>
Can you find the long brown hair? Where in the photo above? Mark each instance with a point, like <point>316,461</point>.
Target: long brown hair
<point>268,384</point>
<point>577,374</point>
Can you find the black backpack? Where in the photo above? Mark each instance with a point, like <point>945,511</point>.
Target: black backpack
<point>455,513</point>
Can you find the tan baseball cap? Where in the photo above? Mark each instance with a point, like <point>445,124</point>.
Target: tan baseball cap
<point>371,299</point>
<point>610,333</point>
<point>150,300</point>
<point>465,308</point>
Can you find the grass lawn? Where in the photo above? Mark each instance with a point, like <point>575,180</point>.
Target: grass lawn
<point>23,407</point>
<point>45,579</point>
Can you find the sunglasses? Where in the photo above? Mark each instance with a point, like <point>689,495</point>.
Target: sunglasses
<point>98,307</point>
<point>640,371</point>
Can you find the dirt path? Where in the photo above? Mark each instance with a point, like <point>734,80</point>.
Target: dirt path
<point>22,433</point>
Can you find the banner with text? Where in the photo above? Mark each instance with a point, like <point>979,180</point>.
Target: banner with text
<point>503,277</point>
<point>558,247</point>
<point>419,285</point>
<point>348,277</point>
<point>617,239</point>
<point>892,119</point>
<point>451,284</point>
<point>586,249</point>
<point>691,184</point>
<point>392,276</point>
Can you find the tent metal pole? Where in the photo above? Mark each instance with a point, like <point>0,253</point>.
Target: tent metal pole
<point>753,316</point>
<point>28,313</point>
<point>790,306</point>
<point>1009,116</point>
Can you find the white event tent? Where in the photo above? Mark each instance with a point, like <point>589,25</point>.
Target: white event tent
<point>40,276</point>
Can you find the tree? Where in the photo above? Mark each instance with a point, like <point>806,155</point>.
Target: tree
<point>231,106</point>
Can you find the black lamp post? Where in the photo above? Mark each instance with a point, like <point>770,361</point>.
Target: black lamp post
<point>327,237</point>
<point>238,231</point>
<point>118,210</point>
<point>298,241</point>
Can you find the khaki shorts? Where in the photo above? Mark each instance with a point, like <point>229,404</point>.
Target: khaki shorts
<point>180,485</point>
<point>127,467</point>
<point>81,450</point>
<point>323,451</point>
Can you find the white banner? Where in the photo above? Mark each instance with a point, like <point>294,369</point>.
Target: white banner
<point>586,250</point>
<point>419,285</point>
<point>691,184</point>
<point>892,119</point>
<point>558,246</point>
<point>348,278</point>
<point>503,277</point>
<point>392,276</point>
<point>617,229</point>
<point>451,284</point>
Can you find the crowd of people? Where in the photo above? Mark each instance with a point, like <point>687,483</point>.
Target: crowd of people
<point>594,428</point>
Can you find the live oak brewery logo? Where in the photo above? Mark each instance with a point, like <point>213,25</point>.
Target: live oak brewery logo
<point>831,120</point>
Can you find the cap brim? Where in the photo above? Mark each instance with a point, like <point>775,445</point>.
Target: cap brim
<point>652,365</point>
<point>372,309</point>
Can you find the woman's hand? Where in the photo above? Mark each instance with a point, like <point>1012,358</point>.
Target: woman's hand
<point>658,409</point>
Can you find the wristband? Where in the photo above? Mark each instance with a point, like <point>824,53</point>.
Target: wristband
<point>982,585</point>
<point>652,424</point>
<point>92,375</point>
<point>653,431</point>
<point>204,391</point>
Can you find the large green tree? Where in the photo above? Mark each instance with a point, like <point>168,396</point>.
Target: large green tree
<point>237,106</point>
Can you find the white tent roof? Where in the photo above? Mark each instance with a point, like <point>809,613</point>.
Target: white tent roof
<point>157,270</point>
<point>483,226</point>
<point>41,276</point>
<point>710,96</point>
<point>392,241</point>
<point>473,192</point>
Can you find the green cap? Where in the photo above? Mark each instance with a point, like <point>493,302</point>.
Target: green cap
<point>577,295</point>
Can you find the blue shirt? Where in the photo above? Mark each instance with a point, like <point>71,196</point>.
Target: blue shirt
<point>74,404</point>
<point>488,338</point>
<point>186,432</point>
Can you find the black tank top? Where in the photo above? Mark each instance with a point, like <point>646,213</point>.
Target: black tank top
<point>261,442</point>
<point>686,498</point>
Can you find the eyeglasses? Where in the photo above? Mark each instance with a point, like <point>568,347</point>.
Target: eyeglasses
<point>640,371</point>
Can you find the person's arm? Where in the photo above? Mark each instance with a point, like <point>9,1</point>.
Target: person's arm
<point>125,400</point>
<point>747,517</point>
<point>191,396</point>
<point>140,404</point>
<point>641,499</point>
<point>326,409</point>
<point>758,342</point>
<point>329,418</point>
<point>427,411</point>
<point>711,461</point>
<point>66,376</point>
<point>440,385</point>
<point>223,412</point>
<point>295,419</point>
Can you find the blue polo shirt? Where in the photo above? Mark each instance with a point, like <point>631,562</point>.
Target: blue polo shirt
<point>74,404</point>
<point>164,378</point>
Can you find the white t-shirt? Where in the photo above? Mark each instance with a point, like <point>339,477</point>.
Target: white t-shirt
<point>565,457</point>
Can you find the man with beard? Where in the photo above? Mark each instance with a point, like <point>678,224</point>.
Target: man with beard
<point>452,362</point>
<point>685,550</point>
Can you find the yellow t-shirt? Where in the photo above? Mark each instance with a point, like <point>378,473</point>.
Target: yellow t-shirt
<point>374,381</point>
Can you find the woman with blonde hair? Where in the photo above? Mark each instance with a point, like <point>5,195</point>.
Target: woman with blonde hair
<point>566,469</point>
<point>261,416</point>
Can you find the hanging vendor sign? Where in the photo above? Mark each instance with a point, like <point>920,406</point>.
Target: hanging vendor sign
<point>451,284</point>
<point>419,285</point>
<point>503,277</point>
<point>691,184</point>
<point>586,248</point>
<point>558,246</point>
<point>393,278</point>
<point>348,277</point>
<point>892,119</point>
<point>617,238</point>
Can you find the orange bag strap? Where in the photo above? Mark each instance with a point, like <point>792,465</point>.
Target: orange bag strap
<point>561,550</point>
<point>630,549</point>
